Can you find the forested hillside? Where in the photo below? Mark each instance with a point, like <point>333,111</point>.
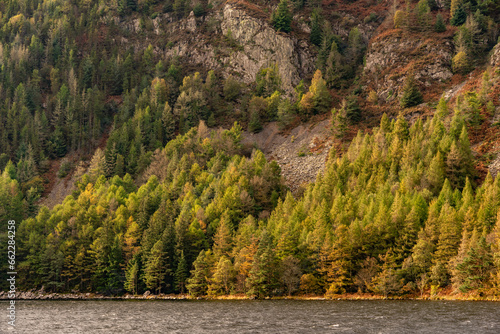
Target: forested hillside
<point>146,103</point>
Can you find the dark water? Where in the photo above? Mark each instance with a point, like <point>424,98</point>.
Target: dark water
<point>279,316</point>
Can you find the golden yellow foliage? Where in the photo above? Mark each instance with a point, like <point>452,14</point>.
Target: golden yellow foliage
<point>399,19</point>
<point>460,63</point>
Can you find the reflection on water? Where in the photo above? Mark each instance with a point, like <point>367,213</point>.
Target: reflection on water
<point>245,316</point>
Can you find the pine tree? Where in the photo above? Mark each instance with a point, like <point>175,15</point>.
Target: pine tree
<point>263,277</point>
<point>254,125</point>
<point>132,276</point>
<point>316,32</point>
<point>411,95</point>
<point>282,18</point>
<point>440,26</point>
<point>320,95</point>
<point>387,281</point>
<point>222,281</point>
<point>339,121</point>
<point>200,275</point>
<point>353,111</point>
<point>155,268</point>
<point>423,14</point>
<point>460,63</point>
<point>111,156</point>
<point>181,274</point>
<point>222,238</point>
<point>459,16</point>
<point>400,19</point>
<point>334,69</point>
<point>435,173</point>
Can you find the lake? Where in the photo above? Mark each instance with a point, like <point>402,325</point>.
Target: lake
<point>246,316</point>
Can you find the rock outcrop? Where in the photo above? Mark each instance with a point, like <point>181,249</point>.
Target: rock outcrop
<point>495,56</point>
<point>301,154</point>
<point>233,42</point>
<point>390,58</point>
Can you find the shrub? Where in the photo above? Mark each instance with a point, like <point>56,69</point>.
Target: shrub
<point>371,18</point>
<point>372,97</point>
<point>198,10</point>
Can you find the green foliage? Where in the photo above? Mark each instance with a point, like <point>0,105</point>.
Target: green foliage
<point>460,63</point>
<point>411,95</point>
<point>439,26</point>
<point>317,100</point>
<point>400,19</point>
<point>423,14</point>
<point>232,89</point>
<point>282,18</point>
<point>254,124</point>
<point>267,81</point>
<point>64,169</point>
<point>459,16</point>
<point>400,210</point>
<point>198,10</point>
<point>353,111</point>
<point>316,32</point>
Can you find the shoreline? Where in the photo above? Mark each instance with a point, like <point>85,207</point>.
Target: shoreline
<point>40,295</point>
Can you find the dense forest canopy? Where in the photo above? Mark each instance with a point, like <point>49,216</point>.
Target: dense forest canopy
<point>168,204</point>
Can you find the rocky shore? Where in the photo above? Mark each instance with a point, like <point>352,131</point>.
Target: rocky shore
<point>42,295</point>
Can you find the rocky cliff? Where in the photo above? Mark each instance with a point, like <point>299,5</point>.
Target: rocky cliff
<point>233,42</point>
<point>391,57</point>
<point>495,56</point>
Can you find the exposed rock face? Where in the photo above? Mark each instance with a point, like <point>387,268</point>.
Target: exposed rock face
<point>301,154</point>
<point>262,46</point>
<point>495,56</point>
<point>390,58</point>
<point>494,167</point>
<point>255,44</point>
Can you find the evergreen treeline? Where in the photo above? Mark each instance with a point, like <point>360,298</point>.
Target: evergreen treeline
<point>396,214</point>
<point>171,208</point>
<point>66,82</point>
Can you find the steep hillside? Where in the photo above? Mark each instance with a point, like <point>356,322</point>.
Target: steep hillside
<point>264,148</point>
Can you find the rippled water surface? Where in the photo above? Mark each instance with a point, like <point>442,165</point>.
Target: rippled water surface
<point>280,316</point>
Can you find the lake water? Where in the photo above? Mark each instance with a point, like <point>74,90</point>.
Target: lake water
<point>245,316</point>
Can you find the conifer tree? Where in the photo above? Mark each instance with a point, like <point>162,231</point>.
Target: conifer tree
<point>200,275</point>
<point>411,95</point>
<point>254,125</point>
<point>353,111</point>
<point>263,276</point>
<point>318,98</point>
<point>460,63</point>
<point>440,26</point>
<point>316,23</point>
<point>400,19</point>
<point>181,274</point>
<point>132,276</point>
<point>222,238</point>
<point>155,268</point>
<point>423,14</point>
<point>339,120</point>
<point>459,16</point>
<point>387,281</point>
<point>223,277</point>
<point>282,18</point>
